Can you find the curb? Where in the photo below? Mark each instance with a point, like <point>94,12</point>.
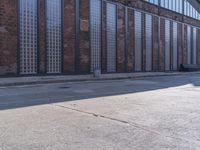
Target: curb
<point>91,78</point>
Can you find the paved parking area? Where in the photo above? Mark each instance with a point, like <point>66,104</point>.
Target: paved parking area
<point>156,113</point>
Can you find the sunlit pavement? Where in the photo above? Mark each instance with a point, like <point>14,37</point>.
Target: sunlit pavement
<point>160,113</point>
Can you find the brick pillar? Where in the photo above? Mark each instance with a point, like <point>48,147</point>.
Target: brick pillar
<point>162,45</point>
<point>198,47</point>
<point>84,37</point>
<point>69,37</point>
<point>104,46</point>
<point>143,42</point>
<point>185,45</point>
<point>121,39</point>
<point>155,43</point>
<point>8,37</point>
<point>42,48</point>
<point>130,33</point>
<point>180,44</point>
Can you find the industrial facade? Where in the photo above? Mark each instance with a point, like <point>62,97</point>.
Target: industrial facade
<point>45,37</point>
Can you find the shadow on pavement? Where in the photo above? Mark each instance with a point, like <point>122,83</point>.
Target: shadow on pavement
<point>15,97</point>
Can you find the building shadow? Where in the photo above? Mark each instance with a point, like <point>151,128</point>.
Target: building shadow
<point>34,95</point>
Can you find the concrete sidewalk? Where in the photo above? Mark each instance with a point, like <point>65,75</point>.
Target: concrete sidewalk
<point>11,81</point>
<point>154,113</point>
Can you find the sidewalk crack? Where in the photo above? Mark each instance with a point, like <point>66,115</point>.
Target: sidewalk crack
<point>127,123</point>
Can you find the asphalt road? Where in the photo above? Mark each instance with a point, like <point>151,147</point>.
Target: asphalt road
<point>160,113</point>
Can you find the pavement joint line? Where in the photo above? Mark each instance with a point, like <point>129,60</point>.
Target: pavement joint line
<point>126,122</point>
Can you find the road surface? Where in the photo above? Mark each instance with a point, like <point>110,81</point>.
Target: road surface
<point>157,113</point>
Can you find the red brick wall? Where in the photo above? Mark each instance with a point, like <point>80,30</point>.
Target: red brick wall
<point>8,37</point>
<point>155,43</point>
<point>42,48</point>
<point>143,43</point>
<point>198,47</point>
<point>162,45</point>
<point>81,56</point>
<point>104,46</point>
<point>180,45</point>
<point>170,14</point>
<point>191,21</point>
<point>131,65</point>
<point>121,39</point>
<point>69,37</point>
<point>84,37</point>
<point>139,4</point>
<point>185,45</point>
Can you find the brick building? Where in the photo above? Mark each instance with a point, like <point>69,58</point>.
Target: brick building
<point>39,37</point>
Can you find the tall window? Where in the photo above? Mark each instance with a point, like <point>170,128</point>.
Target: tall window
<point>95,34</point>
<point>189,46</point>
<point>138,41</point>
<point>148,31</point>
<point>194,54</point>
<point>111,25</point>
<point>153,1</point>
<point>175,46</point>
<point>167,45</point>
<point>54,36</point>
<point>28,36</point>
<point>177,6</point>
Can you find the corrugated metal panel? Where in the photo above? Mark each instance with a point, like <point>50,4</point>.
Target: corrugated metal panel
<point>175,46</point>
<point>194,46</point>
<point>54,36</point>
<point>111,37</point>
<point>167,45</point>
<point>189,61</point>
<point>138,41</point>
<point>28,36</point>
<point>148,20</point>
<point>95,34</point>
